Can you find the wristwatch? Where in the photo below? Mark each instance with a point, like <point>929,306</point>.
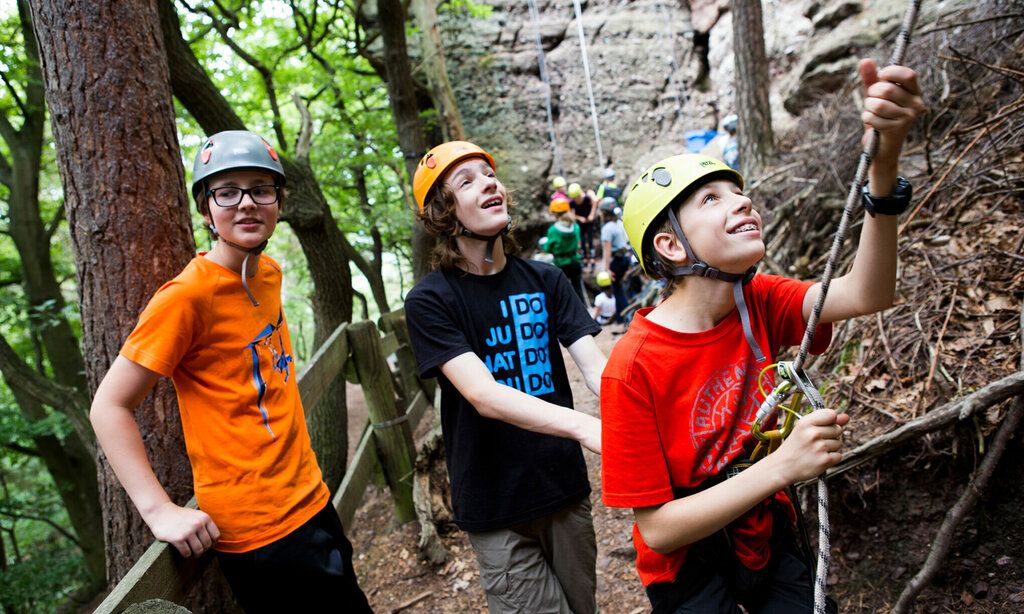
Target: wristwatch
<point>894,204</point>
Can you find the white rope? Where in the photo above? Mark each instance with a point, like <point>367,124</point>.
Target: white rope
<point>590,88</point>
<point>535,16</point>
<point>852,200</point>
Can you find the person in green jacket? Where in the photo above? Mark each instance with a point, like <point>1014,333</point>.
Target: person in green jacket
<point>564,244</point>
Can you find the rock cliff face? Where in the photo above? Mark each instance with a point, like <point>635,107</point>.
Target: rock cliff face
<point>659,68</point>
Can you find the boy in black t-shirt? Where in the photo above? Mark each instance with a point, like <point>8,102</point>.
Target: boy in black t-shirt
<point>488,325</point>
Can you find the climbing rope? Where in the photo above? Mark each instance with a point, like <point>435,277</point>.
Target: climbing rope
<point>535,16</point>
<point>586,73</point>
<point>792,374</point>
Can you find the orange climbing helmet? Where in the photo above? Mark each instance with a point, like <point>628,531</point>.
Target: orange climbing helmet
<point>433,165</point>
<point>559,205</point>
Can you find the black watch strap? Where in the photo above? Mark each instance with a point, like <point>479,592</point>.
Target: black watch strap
<point>894,204</point>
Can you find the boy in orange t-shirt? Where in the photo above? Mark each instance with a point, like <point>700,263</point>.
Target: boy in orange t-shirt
<point>218,331</point>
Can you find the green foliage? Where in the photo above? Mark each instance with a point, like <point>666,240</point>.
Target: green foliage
<point>43,581</point>
<point>315,50</point>
<point>476,10</point>
<point>42,567</point>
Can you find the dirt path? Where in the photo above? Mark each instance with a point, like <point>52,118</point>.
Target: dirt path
<point>392,574</point>
<point>884,519</point>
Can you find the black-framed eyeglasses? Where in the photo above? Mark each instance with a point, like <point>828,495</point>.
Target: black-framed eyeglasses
<point>231,196</point>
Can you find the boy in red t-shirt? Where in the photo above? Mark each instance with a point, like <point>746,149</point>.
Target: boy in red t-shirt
<point>679,393</point>
<point>217,330</point>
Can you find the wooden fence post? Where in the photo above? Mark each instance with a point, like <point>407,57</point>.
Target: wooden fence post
<point>391,427</point>
<point>394,322</point>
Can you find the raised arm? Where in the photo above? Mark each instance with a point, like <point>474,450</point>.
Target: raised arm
<point>125,385</point>
<point>471,378</point>
<point>892,101</point>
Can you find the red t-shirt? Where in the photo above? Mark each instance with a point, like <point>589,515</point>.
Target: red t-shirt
<point>676,408</point>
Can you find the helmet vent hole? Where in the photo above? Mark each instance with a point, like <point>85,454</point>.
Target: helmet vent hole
<point>662,177</point>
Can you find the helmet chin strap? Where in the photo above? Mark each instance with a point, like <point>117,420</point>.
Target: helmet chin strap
<point>249,251</point>
<point>490,239</point>
<point>699,268</point>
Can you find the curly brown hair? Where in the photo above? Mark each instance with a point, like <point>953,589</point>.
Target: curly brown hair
<point>440,222</point>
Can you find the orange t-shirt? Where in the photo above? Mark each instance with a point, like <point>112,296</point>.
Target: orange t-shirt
<point>253,468</point>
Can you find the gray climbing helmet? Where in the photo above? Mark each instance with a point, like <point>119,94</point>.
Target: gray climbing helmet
<point>233,150</point>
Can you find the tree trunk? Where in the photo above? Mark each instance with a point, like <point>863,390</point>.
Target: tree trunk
<point>755,116</point>
<point>106,82</point>
<point>402,95</point>
<point>432,52</point>
<point>309,216</point>
<point>70,462</point>
<point>373,271</point>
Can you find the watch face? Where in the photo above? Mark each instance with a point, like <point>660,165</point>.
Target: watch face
<point>894,204</point>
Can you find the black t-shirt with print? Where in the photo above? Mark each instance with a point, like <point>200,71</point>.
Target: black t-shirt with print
<point>513,321</point>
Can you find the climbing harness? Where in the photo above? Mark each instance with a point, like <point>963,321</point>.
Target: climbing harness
<point>535,16</point>
<point>586,73</point>
<point>793,379</point>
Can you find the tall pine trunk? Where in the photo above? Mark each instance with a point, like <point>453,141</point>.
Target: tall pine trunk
<point>755,115</point>
<point>107,85</point>
<point>402,96</point>
<point>434,67</point>
<point>68,459</point>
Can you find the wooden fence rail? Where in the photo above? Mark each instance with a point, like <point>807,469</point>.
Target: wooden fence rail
<point>395,402</point>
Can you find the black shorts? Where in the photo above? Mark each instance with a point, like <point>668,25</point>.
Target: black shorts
<point>308,570</point>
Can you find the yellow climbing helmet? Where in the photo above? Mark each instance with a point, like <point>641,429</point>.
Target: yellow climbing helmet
<point>558,183</point>
<point>559,205</point>
<point>437,161</point>
<point>604,279</point>
<point>575,190</point>
<point>661,185</point>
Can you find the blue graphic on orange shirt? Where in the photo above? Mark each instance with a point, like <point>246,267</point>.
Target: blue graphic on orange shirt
<point>280,361</point>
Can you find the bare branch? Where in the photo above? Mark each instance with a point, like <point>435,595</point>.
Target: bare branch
<point>259,67</point>
<point>14,93</point>
<point>20,449</point>
<point>302,144</point>
<point>966,502</point>
<point>996,392</point>
<point>68,401</point>
<point>6,172</point>
<point>7,131</point>
<point>54,224</point>
<point>56,527</point>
